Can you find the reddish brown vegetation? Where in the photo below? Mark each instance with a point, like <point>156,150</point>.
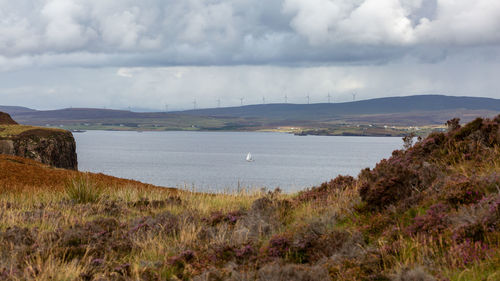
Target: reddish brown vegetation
<point>435,204</point>
<point>5,119</point>
<point>95,239</point>
<point>434,221</point>
<point>453,178</point>
<point>409,173</point>
<point>21,174</point>
<point>219,217</point>
<point>325,189</point>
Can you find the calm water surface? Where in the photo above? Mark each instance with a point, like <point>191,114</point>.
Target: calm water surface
<point>215,161</point>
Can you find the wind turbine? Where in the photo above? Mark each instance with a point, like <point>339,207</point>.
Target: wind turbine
<point>263,100</point>
<point>286,98</point>
<point>329,96</point>
<point>354,96</point>
<point>308,98</point>
<point>241,100</point>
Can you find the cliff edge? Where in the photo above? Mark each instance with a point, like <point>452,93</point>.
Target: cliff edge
<point>5,119</point>
<point>54,147</point>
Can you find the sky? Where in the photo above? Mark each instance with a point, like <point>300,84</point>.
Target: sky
<point>154,54</point>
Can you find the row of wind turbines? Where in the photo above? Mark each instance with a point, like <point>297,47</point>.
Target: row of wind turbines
<point>308,97</point>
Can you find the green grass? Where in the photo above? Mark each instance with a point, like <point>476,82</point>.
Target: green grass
<point>14,130</point>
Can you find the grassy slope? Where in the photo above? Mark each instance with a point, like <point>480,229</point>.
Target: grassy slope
<point>8,131</point>
<point>432,210</point>
<point>21,174</point>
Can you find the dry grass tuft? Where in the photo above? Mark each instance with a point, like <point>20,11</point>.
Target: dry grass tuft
<point>83,190</point>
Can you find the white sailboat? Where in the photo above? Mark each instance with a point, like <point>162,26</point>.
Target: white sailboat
<point>249,157</point>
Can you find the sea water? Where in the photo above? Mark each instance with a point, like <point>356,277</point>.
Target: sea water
<point>216,161</point>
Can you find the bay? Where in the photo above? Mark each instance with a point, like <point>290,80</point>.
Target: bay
<point>215,161</point>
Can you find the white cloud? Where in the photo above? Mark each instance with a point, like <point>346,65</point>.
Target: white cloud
<point>65,28</point>
<point>153,87</point>
<point>463,23</point>
<point>125,72</point>
<point>151,52</point>
<point>224,32</point>
<point>389,22</point>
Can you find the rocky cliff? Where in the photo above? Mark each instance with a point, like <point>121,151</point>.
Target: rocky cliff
<point>5,119</point>
<point>49,146</point>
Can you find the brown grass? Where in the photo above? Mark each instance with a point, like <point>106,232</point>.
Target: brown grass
<point>19,174</point>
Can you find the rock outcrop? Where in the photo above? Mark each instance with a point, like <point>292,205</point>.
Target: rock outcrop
<point>5,119</point>
<point>54,147</point>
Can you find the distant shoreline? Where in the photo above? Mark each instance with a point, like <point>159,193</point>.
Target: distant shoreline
<point>338,132</point>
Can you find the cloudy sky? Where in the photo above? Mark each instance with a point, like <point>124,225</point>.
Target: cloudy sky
<point>150,53</point>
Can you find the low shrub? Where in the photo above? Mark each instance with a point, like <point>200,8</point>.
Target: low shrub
<point>434,221</point>
<point>473,222</point>
<point>219,217</point>
<point>145,203</point>
<point>414,274</point>
<point>221,254</point>
<point>245,252</point>
<point>468,252</point>
<point>375,224</point>
<point>453,124</point>
<point>288,272</point>
<point>390,181</point>
<point>474,232</point>
<point>96,239</point>
<point>178,263</point>
<point>366,267</point>
<point>325,189</point>
<point>468,129</point>
<point>165,223</point>
<point>279,245</point>
<point>463,191</point>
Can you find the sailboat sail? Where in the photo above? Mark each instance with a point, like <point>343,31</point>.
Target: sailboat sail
<point>249,157</point>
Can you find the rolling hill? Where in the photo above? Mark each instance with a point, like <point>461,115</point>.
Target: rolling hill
<point>325,111</point>
<point>15,109</point>
<point>395,111</point>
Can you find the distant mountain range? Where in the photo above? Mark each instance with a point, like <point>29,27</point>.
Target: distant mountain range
<point>409,110</point>
<point>325,111</point>
<point>15,109</point>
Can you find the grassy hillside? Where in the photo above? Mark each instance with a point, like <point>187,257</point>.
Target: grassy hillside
<point>430,212</point>
<point>22,174</point>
